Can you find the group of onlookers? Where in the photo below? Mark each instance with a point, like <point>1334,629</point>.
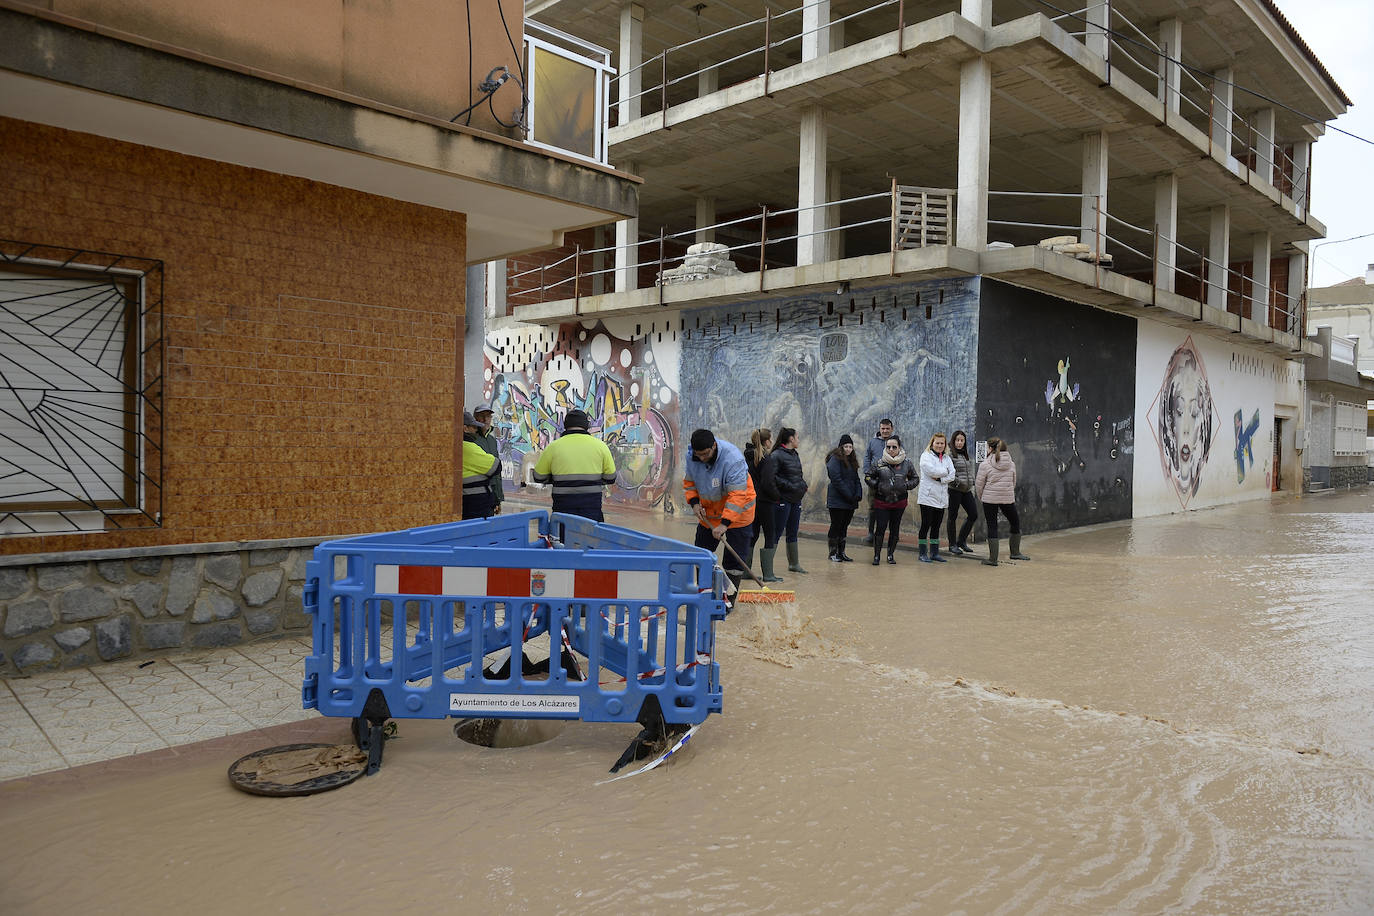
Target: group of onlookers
<point>943,476</point>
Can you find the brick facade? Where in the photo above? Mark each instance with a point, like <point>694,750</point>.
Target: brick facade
<point>313,336</point>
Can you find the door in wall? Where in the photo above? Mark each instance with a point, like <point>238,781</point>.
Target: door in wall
<point>1278,456</point>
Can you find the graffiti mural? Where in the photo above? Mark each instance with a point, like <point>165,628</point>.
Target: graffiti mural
<point>1057,381</point>
<point>1184,416</point>
<point>533,383</point>
<point>826,365</point>
<point>1245,443</point>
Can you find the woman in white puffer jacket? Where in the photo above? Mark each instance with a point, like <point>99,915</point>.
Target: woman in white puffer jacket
<point>996,486</point>
<point>933,497</point>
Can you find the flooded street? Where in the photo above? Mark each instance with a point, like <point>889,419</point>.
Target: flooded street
<point>1167,715</point>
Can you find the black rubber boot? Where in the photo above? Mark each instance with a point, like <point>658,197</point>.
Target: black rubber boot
<point>834,550</point>
<point>844,557</point>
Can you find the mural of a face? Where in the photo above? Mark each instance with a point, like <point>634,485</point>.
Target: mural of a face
<point>1185,420</point>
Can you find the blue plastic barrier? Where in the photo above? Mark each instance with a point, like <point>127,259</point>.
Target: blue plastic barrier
<point>637,613</point>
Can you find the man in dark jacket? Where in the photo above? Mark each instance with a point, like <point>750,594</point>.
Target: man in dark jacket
<point>872,456</point>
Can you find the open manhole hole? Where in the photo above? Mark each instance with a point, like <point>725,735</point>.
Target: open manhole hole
<point>508,732</point>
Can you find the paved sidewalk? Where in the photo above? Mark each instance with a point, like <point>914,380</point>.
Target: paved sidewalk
<point>86,715</point>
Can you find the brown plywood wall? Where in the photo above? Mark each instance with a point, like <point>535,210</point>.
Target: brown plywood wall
<point>313,335</point>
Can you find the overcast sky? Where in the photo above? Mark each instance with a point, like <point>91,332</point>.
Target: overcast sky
<point>1341,33</point>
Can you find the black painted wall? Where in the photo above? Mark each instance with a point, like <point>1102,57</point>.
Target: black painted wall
<point>1056,380</point>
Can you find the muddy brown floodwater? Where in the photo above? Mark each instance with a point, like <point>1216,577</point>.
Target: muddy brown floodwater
<point>1166,715</point>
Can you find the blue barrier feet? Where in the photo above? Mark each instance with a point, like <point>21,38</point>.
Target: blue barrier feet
<point>656,732</point>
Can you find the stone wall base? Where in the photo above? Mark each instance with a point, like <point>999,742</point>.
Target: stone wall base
<point>75,610</point>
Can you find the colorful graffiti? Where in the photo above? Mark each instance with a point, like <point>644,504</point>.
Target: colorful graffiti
<point>1245,443</point>
<point>1185,420</point>
<point>617,384</point>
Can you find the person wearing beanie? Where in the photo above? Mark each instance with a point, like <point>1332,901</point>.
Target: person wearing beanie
<point>480,470</point>
<point>842,496</point>
<point>721,493</point>
<point>579,466</point>
<point>486,437</point>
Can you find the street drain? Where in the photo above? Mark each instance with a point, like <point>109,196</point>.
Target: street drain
<point>508,732</point>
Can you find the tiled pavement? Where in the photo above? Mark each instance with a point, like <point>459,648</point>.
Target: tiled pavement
<point>59,720</point>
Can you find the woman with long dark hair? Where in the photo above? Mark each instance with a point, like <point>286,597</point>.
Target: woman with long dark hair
<point>792,487</point>
<point>757,454</point>
<point>843,495</point>
<point>961,493</point>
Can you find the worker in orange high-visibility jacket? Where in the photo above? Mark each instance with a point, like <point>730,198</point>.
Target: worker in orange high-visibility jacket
<point>719,489</point>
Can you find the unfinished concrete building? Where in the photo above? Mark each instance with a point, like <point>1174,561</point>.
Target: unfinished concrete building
<point>1078,229</point>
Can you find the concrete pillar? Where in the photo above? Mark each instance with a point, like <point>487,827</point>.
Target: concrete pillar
<point>1099,17</point>
<point>836,36</point>
<point>1223,96</point>
<point>811,165</point>
<point>975,119</point>
<point>815,29</point>
<point>1092,221</point>
<point>1170,73</point>
<point>706,217</point>
<point>1166,229</point>
<point>708,77</point>
<point>631,79</point>
<point>494,305</point>
<point>978,12</point>
<point>1261,248</point>
<point>1297,285</point>
<point>599,260</point>
<point>834,241</point>
<point>626,247</point>
<point>1263,139</point>
<point>1218,256</point>
<point>1302,170</point>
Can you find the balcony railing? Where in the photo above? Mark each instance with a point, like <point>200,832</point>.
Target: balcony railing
<point>900,218</point>
<point>1139,252</point>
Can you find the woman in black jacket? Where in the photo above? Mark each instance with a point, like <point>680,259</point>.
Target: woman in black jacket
<point>758,455</point>
<point>843,495</point>
<point>792,488</point>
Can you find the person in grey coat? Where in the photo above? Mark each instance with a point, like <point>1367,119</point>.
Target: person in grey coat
<point>961,493</point>
<point>843,495</point>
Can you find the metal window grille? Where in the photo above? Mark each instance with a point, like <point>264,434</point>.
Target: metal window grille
<point>81,370</point>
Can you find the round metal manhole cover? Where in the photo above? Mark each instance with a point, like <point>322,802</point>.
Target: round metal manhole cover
<point>298,769</point>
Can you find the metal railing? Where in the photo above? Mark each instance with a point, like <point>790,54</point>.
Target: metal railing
<point>1124,247</point>
<point>915,217</point>
<point>1128,49</point>
<point>777,33</point>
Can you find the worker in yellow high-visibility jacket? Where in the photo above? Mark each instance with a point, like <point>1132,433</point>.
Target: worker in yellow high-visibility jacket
<point>481,470</point>
<point>579,465</point>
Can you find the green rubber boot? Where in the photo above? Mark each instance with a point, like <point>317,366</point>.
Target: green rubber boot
<point>793,563</point>
<point>766,555</point>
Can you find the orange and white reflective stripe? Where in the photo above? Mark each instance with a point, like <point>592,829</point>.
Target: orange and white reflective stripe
<point>499,582</point>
